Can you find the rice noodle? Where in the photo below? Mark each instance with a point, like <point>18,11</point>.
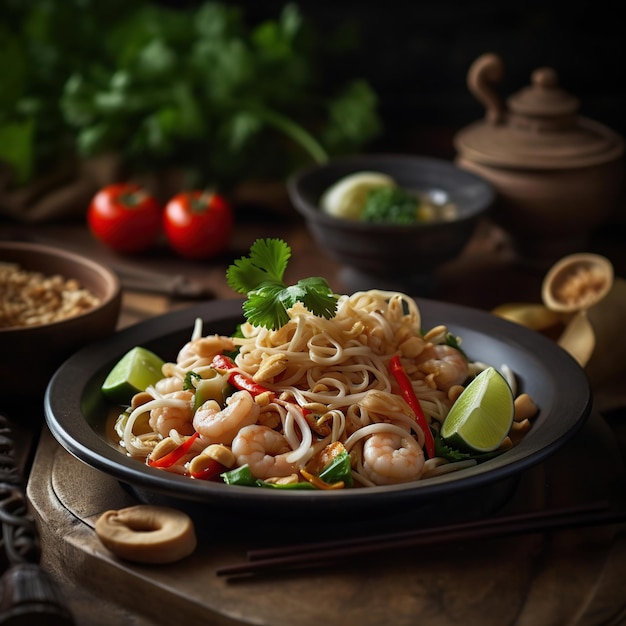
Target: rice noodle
<point>340,368</point>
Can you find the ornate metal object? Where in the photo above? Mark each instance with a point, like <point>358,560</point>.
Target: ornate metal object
<point>27,593</point>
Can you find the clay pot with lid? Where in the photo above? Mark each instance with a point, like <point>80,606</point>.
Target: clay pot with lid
<point>557,175</point>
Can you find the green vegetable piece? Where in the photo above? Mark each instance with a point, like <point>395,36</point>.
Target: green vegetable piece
<point>135,371</point>
<point>188,381</point>
<point>338,470</point>
<point>241,476</point>
<point>260,277</point>
<point>214,387</point>
<point>393,205</point>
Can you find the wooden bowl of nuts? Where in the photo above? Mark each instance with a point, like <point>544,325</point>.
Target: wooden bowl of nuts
<point>53,303</point>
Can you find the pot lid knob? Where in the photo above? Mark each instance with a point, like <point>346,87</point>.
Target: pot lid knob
<point>544,98</point>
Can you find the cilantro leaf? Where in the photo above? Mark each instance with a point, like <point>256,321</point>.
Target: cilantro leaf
<point>188,383</point>
<point>271,255</point>
<point>264,307</point>
<point>318,297</point>
<point>446,451</point>
<point>393,205</point>
<point>267,262</point>
<point>290,295</point>
<point>260,277</point>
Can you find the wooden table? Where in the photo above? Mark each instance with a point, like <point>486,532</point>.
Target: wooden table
<point>570,577</point>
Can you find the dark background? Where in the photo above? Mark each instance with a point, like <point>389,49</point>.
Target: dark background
<point>416,56</point>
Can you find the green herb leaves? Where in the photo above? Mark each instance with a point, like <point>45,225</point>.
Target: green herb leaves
<point>259,276</point>
<point>267,263</point>
<point>390,204</point>
<point>446,451</point>
<point>205,89</point>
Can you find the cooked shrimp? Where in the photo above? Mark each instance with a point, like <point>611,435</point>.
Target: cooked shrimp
<point>174,416</point>
<point>380,406</point>
<point>217,425</point>
<point>169,384</point>
<point>201,351</point>
<point>264,450</point>
<point>443,365</point>
<point>389,458</point>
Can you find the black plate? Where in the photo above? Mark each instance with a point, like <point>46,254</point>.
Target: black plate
<point>75,413</point>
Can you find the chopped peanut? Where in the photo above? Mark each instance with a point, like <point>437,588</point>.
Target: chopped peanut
<point>524,407</point>
<point>32,298</point>
<point>270,367</point>
<point>165,446</point>
<point>220,453</point>
<point>412,347</point>
<point>518,430</point>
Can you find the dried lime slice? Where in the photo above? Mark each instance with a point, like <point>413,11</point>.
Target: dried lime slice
<point>482,415</point>
<point>347,197</point>
<point>135,371</point>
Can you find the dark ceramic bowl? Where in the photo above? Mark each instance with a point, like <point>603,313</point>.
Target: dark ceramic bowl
<point>29,355</point>
<point>392,255</point>
<point>77,415</point>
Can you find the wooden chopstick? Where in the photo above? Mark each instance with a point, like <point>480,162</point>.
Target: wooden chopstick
<point>319,553</point>
<point>485,524</point>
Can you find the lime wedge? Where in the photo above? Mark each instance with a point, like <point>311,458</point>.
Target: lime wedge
<point>135,371</point>
<point>482,415</point>
<point>347,197</point>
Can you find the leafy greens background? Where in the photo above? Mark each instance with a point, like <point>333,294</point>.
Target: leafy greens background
<point>197,88</point>
<point>409,61</point>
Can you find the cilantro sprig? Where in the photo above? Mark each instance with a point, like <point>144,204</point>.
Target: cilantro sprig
<point>446,451</point>
<point>259,276</point>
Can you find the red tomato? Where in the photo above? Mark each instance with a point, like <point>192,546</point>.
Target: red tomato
<point>198,224</point>
<point>125,217</point>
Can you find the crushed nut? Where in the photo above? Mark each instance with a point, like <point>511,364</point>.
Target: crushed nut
<point>270,367</point>
<point>31,298</point>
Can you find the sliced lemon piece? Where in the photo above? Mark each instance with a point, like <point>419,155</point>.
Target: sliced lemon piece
<point>134,372</point>
<point>347,197</point>
<point>482,416</point>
